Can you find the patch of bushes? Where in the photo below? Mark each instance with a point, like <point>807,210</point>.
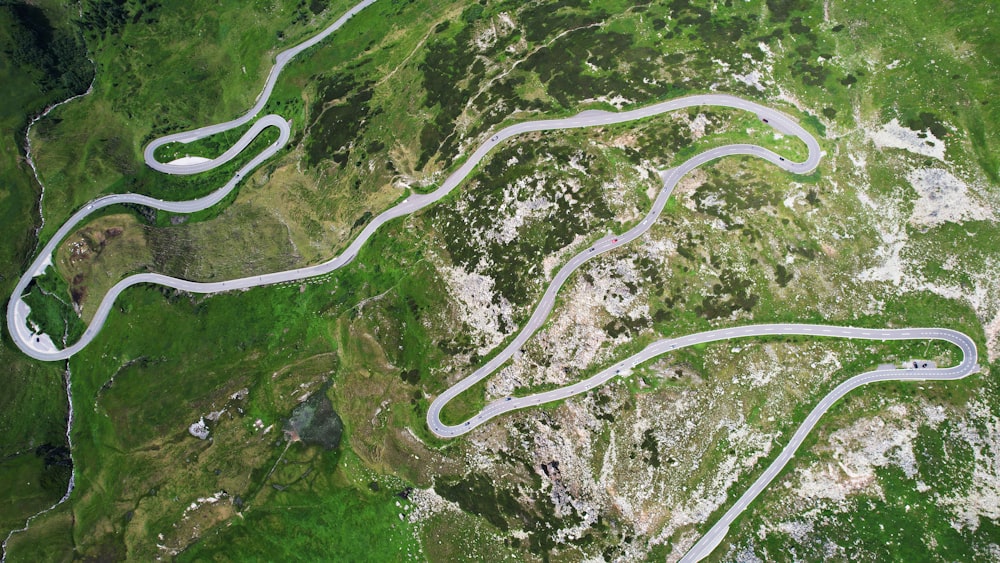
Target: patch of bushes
<point>59,54</point>
<point>728,296</point>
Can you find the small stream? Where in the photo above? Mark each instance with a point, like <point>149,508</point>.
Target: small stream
<point>31,160</point>
<point>67,378</point>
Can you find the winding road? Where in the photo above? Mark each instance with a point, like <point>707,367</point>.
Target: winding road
<point>40,346</point>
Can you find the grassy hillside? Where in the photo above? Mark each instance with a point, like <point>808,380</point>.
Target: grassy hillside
<point>41,62</point>
<point>894,229</point>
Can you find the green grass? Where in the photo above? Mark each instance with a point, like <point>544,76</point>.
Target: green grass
<point>50,539</point>
<point>208,147</point>
<point>111,437</point>
<point>954,87</point>
<point>466,405</point>
<point>99,255</point>
<point>51,311</point>
<point>33,404</point>
<point>325,518</point>
<point>209,66</point>
<point>141,409</point>
<point>165,186</point>
<point>28,487</point>
<point>400,347</point>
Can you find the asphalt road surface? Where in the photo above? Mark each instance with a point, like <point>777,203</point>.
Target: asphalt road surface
<point>38,348</point>
<point>23,337</point>
<point>714,536</point>
<point>967,366</point>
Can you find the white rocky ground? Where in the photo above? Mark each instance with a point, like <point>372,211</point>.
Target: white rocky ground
<point>426,502</point>
<point>847,468</point>
<point>531,200</point>
<point>943,198</point>
<point>857,450</point>
<point>896,136</point>
<point>488,31</point>
<point>981,429</point>
<point>524,203</point>
<point>576,339</point>
<point>757,74</point>
<point>603,468</point>
<point>481,308</point>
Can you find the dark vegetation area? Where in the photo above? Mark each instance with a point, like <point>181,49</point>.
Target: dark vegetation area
<point>727,198</point>
<point>101,18</point>
<point>58,52</point>
<point>652,448</point>
<point>730,295</point>
<point>782,276</point>
<point>315,423</point>
<point>42,61</point>
<point>339,116</point>
<point>500,506</point>
<point>589,62</point>
<point>508,261</point>
<point>58,466</point>
<point>445,66</point>
<point>570,83</point>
